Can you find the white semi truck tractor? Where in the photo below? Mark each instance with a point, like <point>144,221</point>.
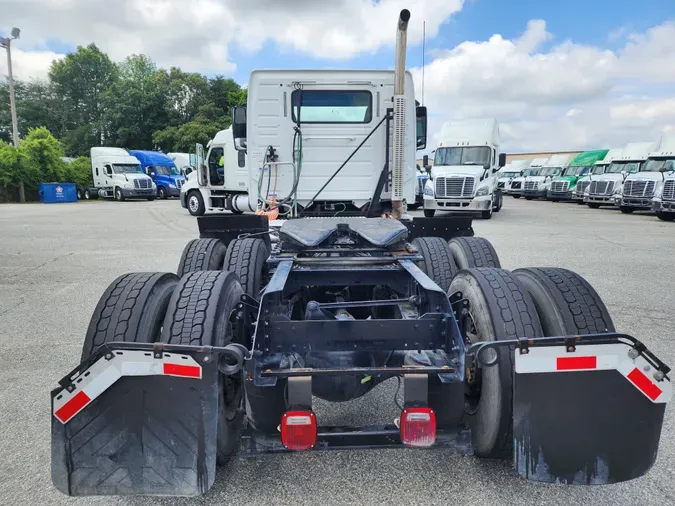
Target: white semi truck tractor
<point>536,186</point>
<point>463,179</point>
<point>599,168</point>
<point>516,189</point>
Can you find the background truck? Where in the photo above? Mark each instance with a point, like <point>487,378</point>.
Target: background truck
<point>186,162</point>
<point>517,183</point>
<point>510,172</point>
<point>223,181</point>
<point>463,178</point>
<point>537,185</point>
<point>563,186</point>
<point>605,189</point>
<point>598,168</point>
<point>179,372</point>
<point>664,201</point>
<point>118,175</point>
<point>162,170</point>
<point>640,188</point>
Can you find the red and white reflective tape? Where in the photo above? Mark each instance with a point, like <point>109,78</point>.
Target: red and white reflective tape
<point>104,373</point>
<point>596,357</point>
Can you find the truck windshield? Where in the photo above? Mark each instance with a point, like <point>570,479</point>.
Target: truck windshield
<point>599,169</point>
<point>655,165</point>
<point>126,168</point>
<point>576,171</point>
<point>166,170</point>
<point>619,167</point>
<point>549,171</point>
<point>530,172</point>
<point>510,174</point>
<point>463,156</point>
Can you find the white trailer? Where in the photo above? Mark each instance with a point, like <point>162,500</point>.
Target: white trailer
<point>640,188</point>
<point>463,179</point>
<point>118,175</point>
<point>606,189</point>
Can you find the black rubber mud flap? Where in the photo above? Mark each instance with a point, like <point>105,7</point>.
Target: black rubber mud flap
<point>142,435</point>
<point>589,417</point>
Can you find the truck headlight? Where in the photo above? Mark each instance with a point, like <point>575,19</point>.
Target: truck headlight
<point>658,190</point>
<point>482,191</point>
<point>171,185</point>
<point>618,191</point>
<point>128,186</point>
<point>154,186</point>
<point>429,189</point>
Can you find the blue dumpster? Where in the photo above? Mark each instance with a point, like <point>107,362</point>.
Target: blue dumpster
<point>55,193</point>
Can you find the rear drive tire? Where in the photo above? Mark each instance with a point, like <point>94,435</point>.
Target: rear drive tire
<point>566,303</point>
<point>438,263</point>
<point>199,314</point>
<point>470,252</point>
<point>131,310</point>
<point>627,210</point>
<point>500,309</point>
<point>593,205</point>
<point>87,195</point>
<point>429,213</point>
<point>247,258</point>
<point>202,255</point>
<point>195,203</point>
<point>665,216</point>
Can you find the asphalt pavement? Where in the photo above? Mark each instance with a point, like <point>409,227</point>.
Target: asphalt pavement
<point>56,261</point>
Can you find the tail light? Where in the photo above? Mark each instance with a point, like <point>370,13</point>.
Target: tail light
<point>418,427</point>
<point>298,430</point>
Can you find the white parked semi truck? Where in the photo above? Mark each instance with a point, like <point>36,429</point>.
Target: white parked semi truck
<point>516,189</point>
<point>605,190</point>
<point>463,179</point>
<point>118,175</point>
<point>599,168</point>
<point>641,187</point>
<point>223,182</point>
<point>536,186</point>
<point>509,172</point>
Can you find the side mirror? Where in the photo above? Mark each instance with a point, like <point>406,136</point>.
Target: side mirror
<point>624,173</point>
<point>421,113</point>
<point>239,127</point>
<point>666,168</point>
<point>425,161</point>
<point>502,159</point>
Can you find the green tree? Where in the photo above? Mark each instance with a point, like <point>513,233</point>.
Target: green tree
<point>79,172</point>
<point>43,155</point>
<point>11,171</point>
<point>80,81</point>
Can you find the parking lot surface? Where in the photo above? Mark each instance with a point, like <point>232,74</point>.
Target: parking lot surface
<point>56,261</point>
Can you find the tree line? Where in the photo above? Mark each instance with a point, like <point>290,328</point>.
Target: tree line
<point>89,100</point>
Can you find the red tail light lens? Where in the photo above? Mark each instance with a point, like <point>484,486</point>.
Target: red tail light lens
<point>298,430</point>
<point>418,427</point>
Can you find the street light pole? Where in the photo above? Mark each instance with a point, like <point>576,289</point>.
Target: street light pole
<point>7,43</point>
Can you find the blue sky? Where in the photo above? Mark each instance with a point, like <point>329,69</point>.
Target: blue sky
<point>557,75</point>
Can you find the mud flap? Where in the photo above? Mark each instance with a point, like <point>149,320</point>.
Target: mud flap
<point>591,416</point>
<point>137,423</point>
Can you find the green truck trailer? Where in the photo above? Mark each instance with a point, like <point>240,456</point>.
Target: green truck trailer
<point>563,186</point>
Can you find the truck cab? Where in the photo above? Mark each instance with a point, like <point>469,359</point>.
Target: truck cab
<point>516,189</point>
<point>463,179</point>
<point>606,189</point>
<point>598,168</point>
<point>118,175</point>
<point>223,181</point>
<point>186,162</point>
<point>563,187</point>
<point>162,170</point>
<point>639,189</point>
<point>509,172</point>
<point>537,185</point>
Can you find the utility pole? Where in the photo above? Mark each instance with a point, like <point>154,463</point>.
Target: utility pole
<point>7,44</point>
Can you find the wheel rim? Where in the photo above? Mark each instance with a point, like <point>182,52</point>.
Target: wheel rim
<point>193,204</point>
<point>118,194</point>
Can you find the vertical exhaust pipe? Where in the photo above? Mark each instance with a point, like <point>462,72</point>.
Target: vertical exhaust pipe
<point>398,141</point>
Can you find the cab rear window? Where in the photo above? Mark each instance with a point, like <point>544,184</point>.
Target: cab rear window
<point>332,106</point>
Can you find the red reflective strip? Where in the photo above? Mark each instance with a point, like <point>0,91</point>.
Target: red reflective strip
<point>72,407</point>
<point>567,363</point>
<point>641,381</point>
<point>188,371</point>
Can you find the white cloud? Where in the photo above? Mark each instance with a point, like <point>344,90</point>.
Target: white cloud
<point>28,64</point>
<point>568,96</point>
<point>199,34</point>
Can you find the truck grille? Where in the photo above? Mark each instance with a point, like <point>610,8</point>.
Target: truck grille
<point>457,187</point>
<point>601,187</point>
<point>142,184</point>
<point>581,187</point>
<point>516,185</point>
<point>531,185</point>
<point>669,190</point>
<point>560,186</point>
<point>638,188</point>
